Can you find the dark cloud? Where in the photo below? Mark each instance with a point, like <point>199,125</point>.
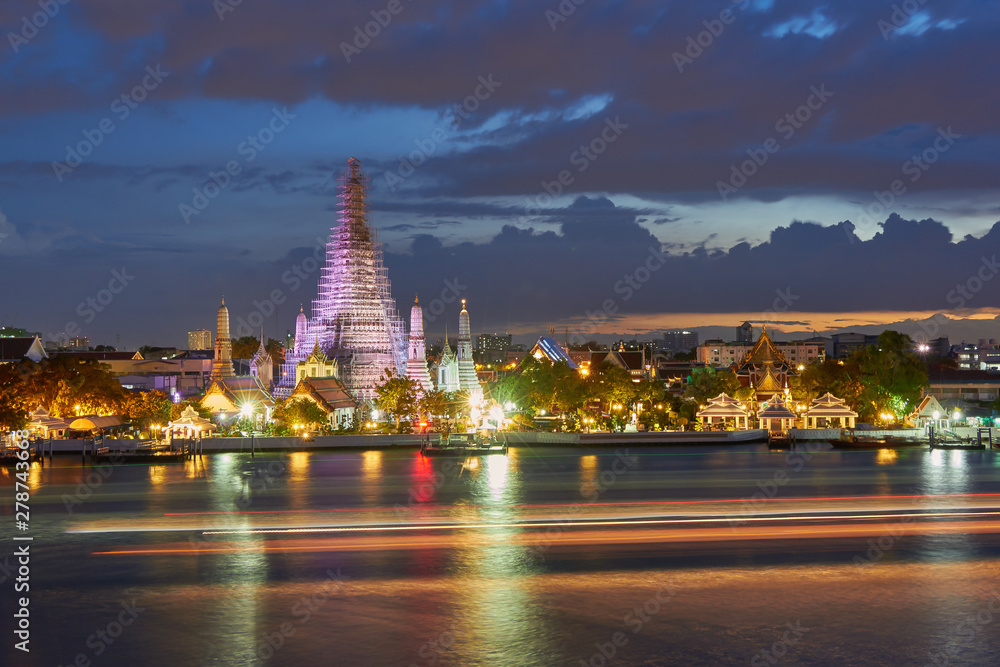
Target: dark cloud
<point>522,275</point>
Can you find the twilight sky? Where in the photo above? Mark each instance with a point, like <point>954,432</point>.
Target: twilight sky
<point>821,165</point>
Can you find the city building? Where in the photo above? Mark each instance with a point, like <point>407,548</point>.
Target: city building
<point>78,343</point>
<point>354,318</point>
<point>492,348</point>
<point>679,340</point>
<point>825,341</point>
<point>845,344</point>
<point>416,361</point>
<point>744,333</point>
<point>222,364</point>
<point>184,373</point>
<point>797,353</point>
<point>200,339</point>
<point>967,385</point>
<point>982,357</point>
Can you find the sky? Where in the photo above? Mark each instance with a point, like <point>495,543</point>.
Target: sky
<point>602,169</point>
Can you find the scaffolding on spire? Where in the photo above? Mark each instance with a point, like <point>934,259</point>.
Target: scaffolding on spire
<point>354,317</point>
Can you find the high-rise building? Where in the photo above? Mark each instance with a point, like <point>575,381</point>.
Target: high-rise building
<point>679,340</point>
<point>78,343</point>
<point>354,318</point>
<point>744,333</point>
<point>492,348</point>
<point>200,339</point>
<point>416,361</point>
<point>222,365</point>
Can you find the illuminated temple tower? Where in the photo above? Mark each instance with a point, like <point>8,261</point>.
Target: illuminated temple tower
<point>354,318</point>
<point>467,377</point>
<point>416,362</point>
<point>222,365</point>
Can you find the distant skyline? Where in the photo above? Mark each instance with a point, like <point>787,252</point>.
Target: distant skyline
<point>531,159</point>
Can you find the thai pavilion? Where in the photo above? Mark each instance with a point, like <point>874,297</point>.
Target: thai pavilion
<point>928,412</point>
<point>775,415</point>
<point>764,369</point>
<point>828,409</point>
<point>725,410</point>
<point>189,425</point>
<point>44,424</point>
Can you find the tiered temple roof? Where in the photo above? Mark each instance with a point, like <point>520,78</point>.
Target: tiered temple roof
<point>829,407</point>
<point>764,368</point>
<point>724,406</point>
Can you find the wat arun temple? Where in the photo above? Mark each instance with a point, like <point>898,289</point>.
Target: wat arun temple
<point>354,318</point>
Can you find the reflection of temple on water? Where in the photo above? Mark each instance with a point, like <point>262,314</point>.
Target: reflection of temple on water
<point>371,476</point>
<point>588,475</point>
<point>946,473</point>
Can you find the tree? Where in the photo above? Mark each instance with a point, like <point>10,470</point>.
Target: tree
<point>433,403</point>
<point>892,376</point>
<point>705,383</point>
<point>276,349</point>
<point>14,406</point>
<point>301,411</point>
<point>245,347</point>
<point>143,409</point>
<point>397,396</point>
